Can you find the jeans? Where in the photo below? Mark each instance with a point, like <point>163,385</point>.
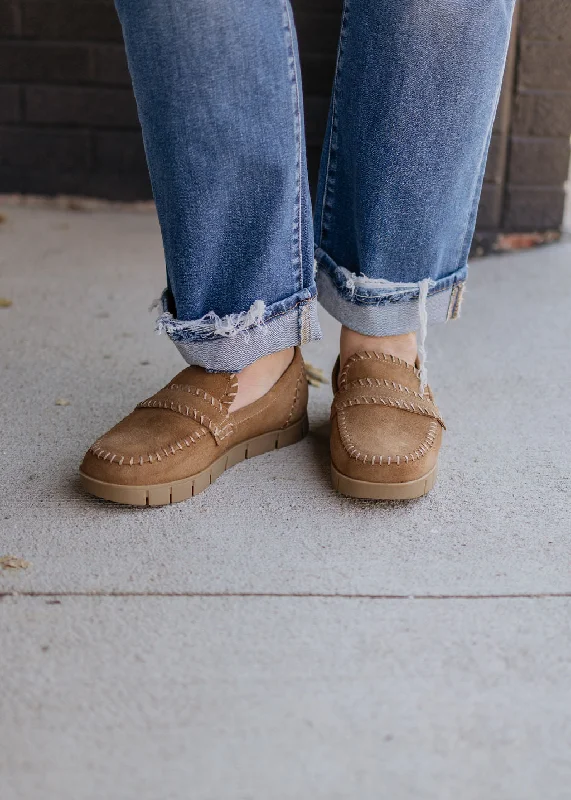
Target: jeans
<point>218,89</point>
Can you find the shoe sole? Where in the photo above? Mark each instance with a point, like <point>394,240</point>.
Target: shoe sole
<point>163,494</point>
<point>368,490</point>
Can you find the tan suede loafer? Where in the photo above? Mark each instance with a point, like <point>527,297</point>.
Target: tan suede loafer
<point>176,443</point>
<point>385,435</point>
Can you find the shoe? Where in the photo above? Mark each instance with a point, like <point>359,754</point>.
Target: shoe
<point>385,435</point>
<point>176,443</point>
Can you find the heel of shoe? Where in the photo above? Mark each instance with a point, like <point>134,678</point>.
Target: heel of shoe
<point>294,433</point>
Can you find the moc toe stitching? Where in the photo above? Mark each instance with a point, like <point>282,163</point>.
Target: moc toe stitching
<point>193,409</point>
<point>350,437</point>
<point>384,431</point>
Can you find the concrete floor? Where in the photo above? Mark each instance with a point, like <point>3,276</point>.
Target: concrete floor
<point>270,640</point>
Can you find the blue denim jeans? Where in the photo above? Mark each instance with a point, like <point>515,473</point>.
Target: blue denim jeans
<point>218,89</point>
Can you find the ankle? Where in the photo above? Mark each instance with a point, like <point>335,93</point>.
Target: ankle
<point>403,346</point>
<point>258,378</point>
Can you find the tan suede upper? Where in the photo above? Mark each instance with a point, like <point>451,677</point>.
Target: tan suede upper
<point>187,425</point>
<point>382,429</point>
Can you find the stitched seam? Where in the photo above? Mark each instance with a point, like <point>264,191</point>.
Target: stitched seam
<point>332,154</point>
<point>287,310</point>
<point>383,382</point>
<point>296,397</point>
<point>464,240</point>
<point>129,461</point>
<point>297,248</point>
<point>399,460</point>
<point>232,390</point>
<point>455,302</point>
<point>452,303</point>
<point>389,401</point>
<point>189,411</point>
<point>361,356</point>
<point>199,393</point>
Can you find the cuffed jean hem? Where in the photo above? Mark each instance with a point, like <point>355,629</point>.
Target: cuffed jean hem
<point>379,308</point>
<point>231,343</point>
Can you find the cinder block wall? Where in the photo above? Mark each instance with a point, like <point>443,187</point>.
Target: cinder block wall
<point>68,122</point>
<point>68,117</point>
<point>538,162</point>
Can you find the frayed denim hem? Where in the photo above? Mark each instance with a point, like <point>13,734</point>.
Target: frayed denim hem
<point>377,307</point>
<point>380,308</point>
<point>232,342</point>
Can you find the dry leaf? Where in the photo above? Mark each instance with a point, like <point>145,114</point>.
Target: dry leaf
<point>5,303</point>
<point>13,562</point>
<point>61,401</point>
<point>2,218</point>
<point>315,376</point>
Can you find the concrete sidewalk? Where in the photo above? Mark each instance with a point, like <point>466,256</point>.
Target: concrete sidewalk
<point>292,645</point>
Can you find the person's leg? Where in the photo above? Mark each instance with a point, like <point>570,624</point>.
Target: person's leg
<point>416,89</point>
<point>219,97</point>
<point>415,93</point>
<point>217,84</point>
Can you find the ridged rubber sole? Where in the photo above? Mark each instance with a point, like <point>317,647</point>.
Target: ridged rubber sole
<point>367,490</point>
<point>162,494</point>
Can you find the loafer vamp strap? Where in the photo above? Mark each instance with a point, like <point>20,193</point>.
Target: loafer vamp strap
<point>386,393</point>
<point>194,402</point>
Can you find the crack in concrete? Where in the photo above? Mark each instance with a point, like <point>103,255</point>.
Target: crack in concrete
<point>293,595</point>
